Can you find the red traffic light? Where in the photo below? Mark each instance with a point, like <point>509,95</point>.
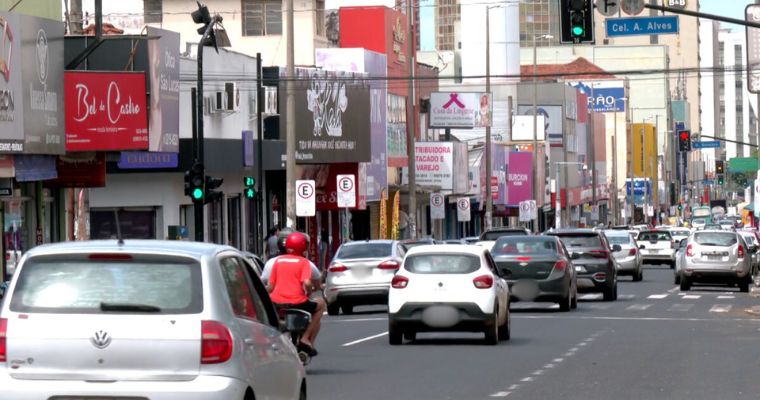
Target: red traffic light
<point>684,135</point>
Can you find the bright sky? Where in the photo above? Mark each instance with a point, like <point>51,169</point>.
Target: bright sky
<point>726,8</point>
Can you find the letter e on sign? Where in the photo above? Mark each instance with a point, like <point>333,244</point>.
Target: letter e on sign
<point>346,191</point>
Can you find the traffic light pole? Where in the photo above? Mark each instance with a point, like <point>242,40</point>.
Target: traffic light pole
<point>197,205</point>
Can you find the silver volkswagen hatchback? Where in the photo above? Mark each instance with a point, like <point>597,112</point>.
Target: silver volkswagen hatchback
<point>143,320</point>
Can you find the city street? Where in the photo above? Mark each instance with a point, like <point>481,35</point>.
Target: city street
<point>655,342</point>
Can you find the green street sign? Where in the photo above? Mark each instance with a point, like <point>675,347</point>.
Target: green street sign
<point>742,164</point>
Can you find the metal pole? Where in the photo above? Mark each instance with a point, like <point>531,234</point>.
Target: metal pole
<point>557,203</point>
<point>614,191</point>
<point>592,151</point>
<point>290,128</point>
<point>535,121</point>
<point>489,168</point>
<point>197,206</point>
<point>260,156</point>
<point>629,130</point>
<point>410,137</point>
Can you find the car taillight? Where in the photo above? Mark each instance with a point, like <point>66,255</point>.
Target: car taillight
<point>390,264</point>
<point>599,253</point>
<point>399,282</point>
<point>690,251</point>
<point>337,267</point>
<point>524,258</point>
<point>3,340</point>
<point>632,252</point>
<point>110,256</point>
<point>7,256</point>
<point>741,252</point>
<point>672,244</point>
<point>483,282</point>
<point>560,265</point>
<point>216,343</point>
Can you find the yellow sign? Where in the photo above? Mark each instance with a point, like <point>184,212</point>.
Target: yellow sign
<point>383,216</point>
<point>394,223</point>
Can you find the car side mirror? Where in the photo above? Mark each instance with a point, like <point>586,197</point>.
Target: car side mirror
<point>295,320</point>
<point>616,248</point>
<point>642,247</point>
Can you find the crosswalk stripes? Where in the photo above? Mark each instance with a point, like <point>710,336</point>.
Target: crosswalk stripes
<point>639,307</point>
<point>721,308</point>
<point>657,296</point>
<point>680,307</point>
<point>626,297</point>
<point>685,302</point>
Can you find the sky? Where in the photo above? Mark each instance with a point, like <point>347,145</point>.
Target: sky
<point>726,8</point>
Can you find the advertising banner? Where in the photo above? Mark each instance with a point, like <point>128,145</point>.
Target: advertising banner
<point>163,64</point>
<point>11,103</point>
<point>105,111</point>
<point>147,160</point>
<point>332,117</point>
<point>519,177</point>
<point>552,119</point>
<point>603,96</point>
<point>396,131</point>
<point>434,163</point>
<point>42,81</point>
<point>460,110</point>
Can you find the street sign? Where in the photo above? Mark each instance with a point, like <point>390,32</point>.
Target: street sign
<point>632,7</point>
<point>679,4</point>
<point>528,210</point>
<point>752,14</point>
<point>346,191</point>
<point>437,207</point>
<point>657,25</point>
<point>608,8</point>
<point>306,204</point>
<point>706,144</point>
<point>463,209</point>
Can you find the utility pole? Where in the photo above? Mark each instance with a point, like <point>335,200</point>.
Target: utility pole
<point>261,229</point>
<point>290,128</point>
<point>75,17</point>
<point>489,166</point>
<point>410,138</point>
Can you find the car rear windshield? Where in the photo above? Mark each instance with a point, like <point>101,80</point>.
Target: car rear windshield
<point>78,285</point>
<point>715,238</point>
<point>679,233</point>
<point>364,250</point>
<point>442,263</point>
<point>654,236</point>
<point>581,240</point>
<point>618,239</point>
<point>494,235</point>
<point>509,245</point>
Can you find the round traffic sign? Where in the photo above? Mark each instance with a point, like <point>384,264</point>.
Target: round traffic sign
<point>632,7</point>
<point>608,8</point>
<point>346,184</point>
<point>305,190</point>
<point>463,204</point>
<point>436,199</point>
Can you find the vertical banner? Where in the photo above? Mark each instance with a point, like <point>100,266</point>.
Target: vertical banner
<point>383,234</point>
<point>519,177</point>
<point>395,215</point>
<point>163,69</point>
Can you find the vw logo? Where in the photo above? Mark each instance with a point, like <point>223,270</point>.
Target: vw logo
<point>42,56</point>
<point>101,339</point>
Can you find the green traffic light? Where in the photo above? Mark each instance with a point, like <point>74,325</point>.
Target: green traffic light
<point>197,194</point>
<point>249,181</point>
<point>250,193</point>
<point>577,30</point>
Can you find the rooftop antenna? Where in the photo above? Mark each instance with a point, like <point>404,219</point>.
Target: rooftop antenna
<point>120,240</point>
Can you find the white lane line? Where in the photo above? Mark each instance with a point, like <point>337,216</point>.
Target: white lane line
<point>638,307</point>
<point>513,387</point>
<point>721,308</point>
<point>569,354</point>
<point>626,297</point>
<point>558,360</point>
<point>365,339</point>
<point>681,307</point>
<point>356,320</point>
<point>727,297</point>
<point>549,366</point>
<point>669,319</point>
<point>675,289</point>
<point>538,372</point>
<point>598,306</point>
<point>657,296</point>
<point>574,349</point>
<point>691,296</point>
<point>582,344</point>
<point>590,296</point>
<point>500,394</point>
<point>527,379</point>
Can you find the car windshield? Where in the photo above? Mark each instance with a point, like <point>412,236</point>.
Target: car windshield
<point>524,245</point>
<point>364,250</point>
<point>409,245</point>
<point>654,236</point>
<point>442,263</point>
<point>76,285</point>
<point>698,221</point>
<point>618,239</point>
<point>581,240</point>
<point>715,238</point>
<point>494,235</point>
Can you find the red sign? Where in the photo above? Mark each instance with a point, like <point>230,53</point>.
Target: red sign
<point>105,111</point>
<point>79,170</point>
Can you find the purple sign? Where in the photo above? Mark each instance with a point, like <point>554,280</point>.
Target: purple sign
<point>519,177</point>
<point>34,167</point>
<point>147,159</point>
<point>248,148</point>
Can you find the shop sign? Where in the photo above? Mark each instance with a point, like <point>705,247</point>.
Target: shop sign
<point>80,170</point>
<point>105,111</point>
<point>519,177</point>
<point>11,104</point>
<point>34,167</point>
<point>462,110</point>
<point>147,159</point>
<point>163,64</point>
<point>399,39</point>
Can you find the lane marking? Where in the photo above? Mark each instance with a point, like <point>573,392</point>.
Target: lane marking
<point>569,354</point>
<point>558,360</point>
<point>638,307</point>
<point>721,308</point>
<point>538,372</point>
<point>549,366</point>
<point>681,307</point>
<point>582,344</point>
<point>590,296</point>
<point>603,306</point>
<point>675,289</point>
<point>574,349</point>
<point>692,296</point>
<point>726,297</point>
<point>667,319</point>
<point>657,296</point>
<point>514,387</point>
<point>356,320</point>
<point>527,379</point>
<point>362,340</point>
<point>626,297</point>
<point>500,394</point>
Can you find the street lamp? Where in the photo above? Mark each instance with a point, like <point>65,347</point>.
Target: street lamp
<point>535,120</point>
<point>557,203</point>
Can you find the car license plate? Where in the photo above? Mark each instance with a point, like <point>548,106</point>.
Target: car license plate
<point>654,251</point>
<point>714,257</point>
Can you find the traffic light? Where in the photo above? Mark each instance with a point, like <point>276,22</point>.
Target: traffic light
<point>719,166</point>
<point>211,194</point>
<point>249,187</point>
<point>203,16</point>
<point>194,182</point>
<point>576,21</point>
<point>721,180</point>
<point>684,140</point>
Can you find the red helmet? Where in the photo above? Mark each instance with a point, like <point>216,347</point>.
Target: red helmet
<point>296,243</point>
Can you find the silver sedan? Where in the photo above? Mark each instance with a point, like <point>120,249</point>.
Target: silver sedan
<point>716,257</point>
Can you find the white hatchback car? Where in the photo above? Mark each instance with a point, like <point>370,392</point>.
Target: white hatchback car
<point>156,319</point>
<point>448,288</point>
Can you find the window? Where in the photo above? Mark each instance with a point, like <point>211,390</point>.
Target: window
<point>152,11</point>
<point>245,303</point>
<point>528,245</point>
<point>364,250</point>
<point>319,16</point>
<point>715,239</point>
<point>442,264</point>
<point>655,236</point>
<point>262,17</point>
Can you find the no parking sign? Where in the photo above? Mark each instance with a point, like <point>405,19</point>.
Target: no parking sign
<point>437,208</point>
<point>346,191</point>
<point>463,209</point>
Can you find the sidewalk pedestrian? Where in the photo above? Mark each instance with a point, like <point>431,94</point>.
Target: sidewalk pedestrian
<point>270,247</point>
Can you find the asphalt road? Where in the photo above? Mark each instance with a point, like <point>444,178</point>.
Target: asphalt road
<point>655,342</point>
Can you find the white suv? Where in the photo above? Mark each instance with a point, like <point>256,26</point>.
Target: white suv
<point>657,246</point>
<point>448,288</point>
<point>158,320</point>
